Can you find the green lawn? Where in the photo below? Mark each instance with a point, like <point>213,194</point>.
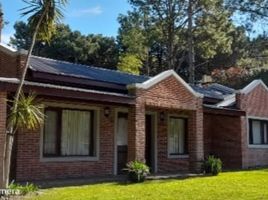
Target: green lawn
<point>244,185</point>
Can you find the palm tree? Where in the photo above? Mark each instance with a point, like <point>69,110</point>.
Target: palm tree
<point>44,15</point>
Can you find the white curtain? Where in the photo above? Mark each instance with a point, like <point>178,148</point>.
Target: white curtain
<point>176,136</point>
<point>122,126</point>
<point>50,133</point>
<point>256,129</point>
<point>265,133</point>
<point>75,138</point>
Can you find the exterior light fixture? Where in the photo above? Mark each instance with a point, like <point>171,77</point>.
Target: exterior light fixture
<point>107,111</point>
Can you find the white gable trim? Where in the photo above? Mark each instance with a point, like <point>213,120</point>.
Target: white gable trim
<point>228,101</point>
<point>252,86</point>
<point>11,51</point>
<point>162,76</point>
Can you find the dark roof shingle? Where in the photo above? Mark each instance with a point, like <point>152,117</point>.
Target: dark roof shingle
<point>64,68</point>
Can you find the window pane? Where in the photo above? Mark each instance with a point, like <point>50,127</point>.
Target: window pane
<point>177,136</point>
<point>256,130</point>
<point>76,128</point>
<point>122,132</point>
<point>50,132</point>
<point>265,138</point>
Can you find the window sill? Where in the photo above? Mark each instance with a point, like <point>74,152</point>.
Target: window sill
<point>185,156</point>
<point>68,159</point>
<point>258,146</point>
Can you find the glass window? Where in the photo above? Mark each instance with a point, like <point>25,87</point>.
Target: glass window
<point>177,136</point>
<point>69,132</point>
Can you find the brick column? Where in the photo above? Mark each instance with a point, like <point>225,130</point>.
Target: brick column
<point>3,110</point>
<point>136,133</point>
<point>196,139</point>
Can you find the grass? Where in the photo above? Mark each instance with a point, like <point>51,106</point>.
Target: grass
<point>244,185</point>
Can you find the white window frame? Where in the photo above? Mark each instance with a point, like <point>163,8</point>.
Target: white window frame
<point>72,158</point>
<point>255,146</point>
<point>168,132</point>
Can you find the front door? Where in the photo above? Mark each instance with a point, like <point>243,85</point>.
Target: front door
<point>121,141</point>
<point>150,142</point>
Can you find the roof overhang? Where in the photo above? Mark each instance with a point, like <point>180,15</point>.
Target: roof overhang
<point>162,76</point>
<point>10,84</point>
<point>211,109</point>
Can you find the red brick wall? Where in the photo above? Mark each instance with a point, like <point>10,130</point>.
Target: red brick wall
<point>30,167</point>
<point>222,138</point>
<point>171,97</point>
<point>10,65</point>
<point>255,104</point>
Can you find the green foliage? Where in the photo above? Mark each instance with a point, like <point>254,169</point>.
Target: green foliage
<point>72,46</point>
<point>28,114</point>
<point>24,189</point>
<point>49,10</point>
<point>137,171</point>
<point>129,63</point>
<point>212,165</point>
<point>156,31</point>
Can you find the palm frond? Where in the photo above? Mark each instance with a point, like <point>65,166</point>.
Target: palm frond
<point>51,12</point>
<point>28,115</point>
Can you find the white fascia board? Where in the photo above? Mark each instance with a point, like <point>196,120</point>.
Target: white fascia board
<point>228,101</point>
<point>162,76</point>
<point>11,51</point>
<point>253,85</point>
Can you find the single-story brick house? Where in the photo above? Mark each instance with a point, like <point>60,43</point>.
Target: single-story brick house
<point>98,119</point>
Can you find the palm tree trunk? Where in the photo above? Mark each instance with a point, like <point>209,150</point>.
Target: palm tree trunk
<point>10,136</point>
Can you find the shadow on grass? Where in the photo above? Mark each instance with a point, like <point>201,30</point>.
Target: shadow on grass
<point>122,179</point>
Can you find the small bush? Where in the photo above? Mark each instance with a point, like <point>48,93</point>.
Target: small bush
<point>137,171</point>
<point>24,189</point>
<point>212,165</point>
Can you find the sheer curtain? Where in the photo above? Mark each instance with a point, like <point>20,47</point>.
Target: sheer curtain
<point>75,138</point>
<point>176,136</point>
<point>256,128</point>
<point>50,132</point>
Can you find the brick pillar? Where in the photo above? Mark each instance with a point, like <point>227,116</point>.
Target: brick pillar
<point>3,113</point>
<point>196,139</point>
<point>136,133</point>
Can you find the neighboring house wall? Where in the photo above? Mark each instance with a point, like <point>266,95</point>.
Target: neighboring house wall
<point>255,103</point>
<point>11,63</point>
<point>222,136</point>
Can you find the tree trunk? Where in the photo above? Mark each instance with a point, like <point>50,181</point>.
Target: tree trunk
<point>190,43</point>
<point>171,35</point>
<point>10,136</point>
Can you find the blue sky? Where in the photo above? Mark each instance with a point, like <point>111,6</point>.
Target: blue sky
<point>87,16</point>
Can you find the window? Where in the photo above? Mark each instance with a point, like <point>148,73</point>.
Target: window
<point>177,137</point>
<point>258,132</point>
<point>69,132</point>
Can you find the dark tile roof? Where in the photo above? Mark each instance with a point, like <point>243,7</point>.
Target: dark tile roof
<point>64,68</point>
<point>215,90</point>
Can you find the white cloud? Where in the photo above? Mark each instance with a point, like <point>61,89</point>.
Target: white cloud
<point>92,11</point>
<point>6,37</point>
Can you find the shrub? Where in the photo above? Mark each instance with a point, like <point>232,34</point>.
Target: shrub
<point>137,171</point>
<point>212,165</point>
<point>24,189</point>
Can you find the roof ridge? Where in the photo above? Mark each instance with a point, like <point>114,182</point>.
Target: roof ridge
<point>88,66</point>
